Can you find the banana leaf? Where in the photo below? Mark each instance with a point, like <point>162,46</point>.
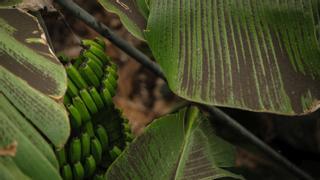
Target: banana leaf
<point>257,55</point>
<point>182,145</point>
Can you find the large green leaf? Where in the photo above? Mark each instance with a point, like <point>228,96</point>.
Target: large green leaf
<point>30,75</point>
<point>259,55</point>
<point>178,146</point>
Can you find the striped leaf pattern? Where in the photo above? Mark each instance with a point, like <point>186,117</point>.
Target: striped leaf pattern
<point>32,85</point>
<point>30,75</point>
<point>258,55</point>
<point>178,146</point>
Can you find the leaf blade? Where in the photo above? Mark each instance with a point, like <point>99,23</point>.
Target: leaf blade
<point>31,76</point>
<point>243,54</point>
<point>40,168</point>
<point>170,149</point>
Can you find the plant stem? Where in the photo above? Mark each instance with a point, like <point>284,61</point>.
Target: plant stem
<point>145,61</point>
<point>102,29</point>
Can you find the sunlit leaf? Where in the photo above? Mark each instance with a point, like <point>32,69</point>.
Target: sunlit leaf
<point>30,75</point>
<point>259,55</point>
<point>178,146</point>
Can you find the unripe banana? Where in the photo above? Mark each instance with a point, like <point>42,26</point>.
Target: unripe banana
<point>61,156</point>
<point>85,145</point>
<point>110,70</point>
<point>78,171</point>
<point>95,67</point>
<point>89,42</point>
<point>115,152</point>
<point>100,54</point>
<point>81,107</point>
<point>96,97</point>
<point>112,81</point>
<point>78,61</point>
<point>102,135</point>
<point>88,128</point>
<point>100,41</point>
<point>66,99</point>
<point>88,101</point>
<point>75,116</point>
<point>106,83</point>
<point>106,96</point>
<point>88,74</point>
<point>66,172</point>
<point>72,90</point>
<point>87,54</point>
<point>75,150</point>
<point>75,76</point>
<point>89,166</point>
<point>96,150</point>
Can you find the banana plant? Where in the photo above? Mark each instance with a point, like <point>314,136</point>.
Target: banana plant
<point>253,55</point>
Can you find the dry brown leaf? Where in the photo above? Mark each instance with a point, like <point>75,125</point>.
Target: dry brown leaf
<point>9,150</point>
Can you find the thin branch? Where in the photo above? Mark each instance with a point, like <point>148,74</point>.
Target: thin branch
<point>145,61</point>
<point>80,13</point>
<point>222,117</point>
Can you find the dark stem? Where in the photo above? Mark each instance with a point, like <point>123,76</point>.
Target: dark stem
<point>80,13</point>
<point>145,61</point>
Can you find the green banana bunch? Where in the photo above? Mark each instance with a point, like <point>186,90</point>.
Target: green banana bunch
<point>96,124</point>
